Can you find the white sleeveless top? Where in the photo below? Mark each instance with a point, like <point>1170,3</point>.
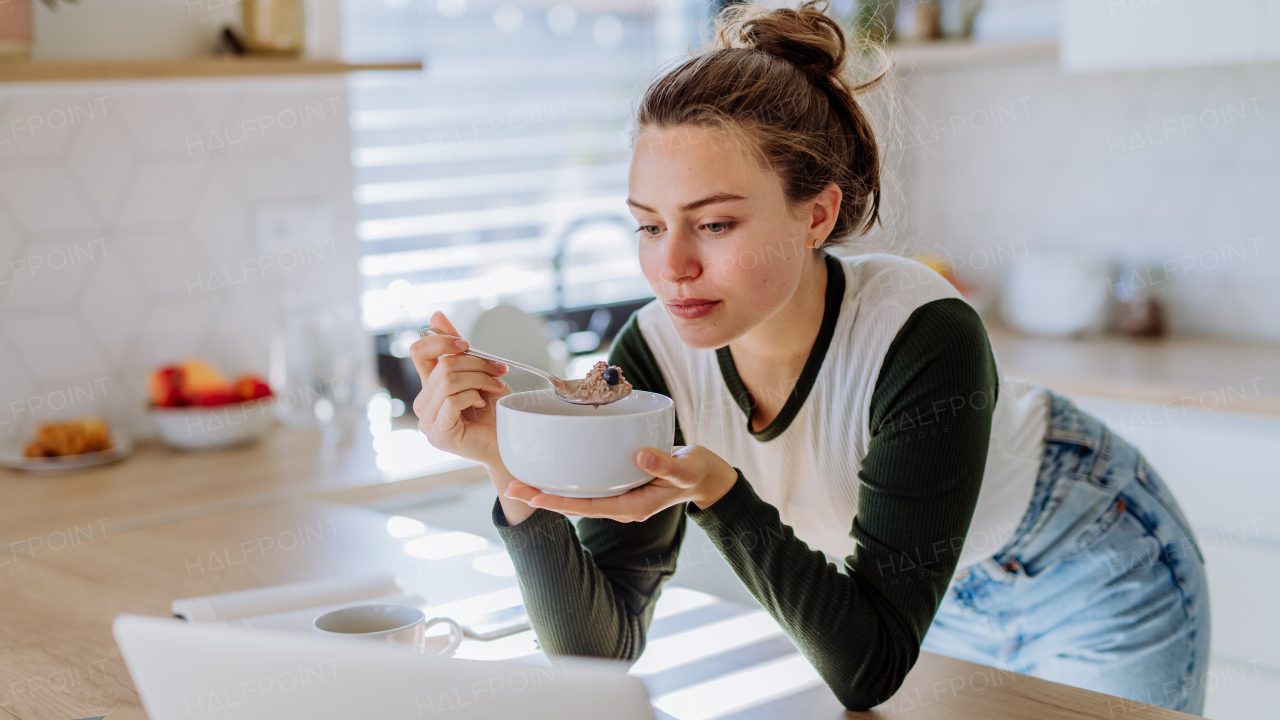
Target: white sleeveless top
<point>810,471</point>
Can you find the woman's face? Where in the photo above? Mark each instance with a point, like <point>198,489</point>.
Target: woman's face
<point>714,226</point>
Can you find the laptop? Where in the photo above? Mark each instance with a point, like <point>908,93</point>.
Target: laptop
<point>204,672</point>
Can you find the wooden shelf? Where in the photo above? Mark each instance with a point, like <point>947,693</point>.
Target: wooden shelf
<point>210,67</point>
<point>959,54</point>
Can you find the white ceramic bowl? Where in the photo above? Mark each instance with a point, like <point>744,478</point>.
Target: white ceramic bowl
<point>213,427</point>
<point>1057,295</point>
<point>578,450</point>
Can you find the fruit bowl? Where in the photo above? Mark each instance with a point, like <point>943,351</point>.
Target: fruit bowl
<point>194,407</point>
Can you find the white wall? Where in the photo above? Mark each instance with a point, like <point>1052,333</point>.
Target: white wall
<point>135,230</point>
<point>1164,166</point>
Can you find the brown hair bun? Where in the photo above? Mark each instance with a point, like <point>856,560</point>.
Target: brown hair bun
<point>780,77</point>
<point>804,36</point>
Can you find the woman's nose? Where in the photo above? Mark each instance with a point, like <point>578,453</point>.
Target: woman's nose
<point>678,263</point>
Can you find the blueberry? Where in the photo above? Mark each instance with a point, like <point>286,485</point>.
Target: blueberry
<point>611,375</point>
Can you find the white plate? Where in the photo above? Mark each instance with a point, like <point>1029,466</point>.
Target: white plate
<point>13,457</point>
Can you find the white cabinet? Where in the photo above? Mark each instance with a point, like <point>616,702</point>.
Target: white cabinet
<point>1224,469</point>
<point>1133,34</point>
<point>1242,600</point>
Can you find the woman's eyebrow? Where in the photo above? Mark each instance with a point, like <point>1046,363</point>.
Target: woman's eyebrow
<point>708,200</point>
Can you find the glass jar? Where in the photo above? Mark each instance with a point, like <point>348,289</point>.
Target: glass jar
<point>274,27</point>
<point>316,363</point>
<point>16,30</point>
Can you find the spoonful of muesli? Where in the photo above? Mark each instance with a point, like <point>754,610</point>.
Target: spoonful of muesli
<point>603,385</point>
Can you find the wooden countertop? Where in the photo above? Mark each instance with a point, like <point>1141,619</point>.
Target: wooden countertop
<point>60,660</point>
<point>1202,374</point>
<point>158,485</point>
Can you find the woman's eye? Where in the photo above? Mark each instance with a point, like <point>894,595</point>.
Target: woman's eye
<point>649,230</point>
<point>718,228</point>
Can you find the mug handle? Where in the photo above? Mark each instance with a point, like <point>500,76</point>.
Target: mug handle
<point>455,634</point>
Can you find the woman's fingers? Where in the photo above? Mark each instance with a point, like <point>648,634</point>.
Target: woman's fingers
<point>440,322</point>
<point>519,491</point>
<point>453,373</point>
<point>451,409</point>
<point>427,351</point>
<point>525,493</point>
<point>555,503</point>
<point>443,385</point>
<point>435,350</point>
<point>450,364</point>
<point>679,467</point>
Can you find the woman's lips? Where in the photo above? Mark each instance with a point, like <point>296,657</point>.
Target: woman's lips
<point>690,308</point>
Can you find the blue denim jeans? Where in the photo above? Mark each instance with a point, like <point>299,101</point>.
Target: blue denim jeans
<point>1102,585</point>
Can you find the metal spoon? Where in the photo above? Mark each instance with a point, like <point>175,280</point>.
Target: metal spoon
<point>565,389</point>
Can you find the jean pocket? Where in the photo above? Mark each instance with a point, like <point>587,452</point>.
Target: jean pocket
<point>979,586</point>
<point>1081,511</point>
<point>1101,526</point>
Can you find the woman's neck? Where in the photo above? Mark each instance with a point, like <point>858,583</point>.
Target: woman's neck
<point>778,348</point>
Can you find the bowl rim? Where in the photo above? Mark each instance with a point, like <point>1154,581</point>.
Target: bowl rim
<point>504,406</point>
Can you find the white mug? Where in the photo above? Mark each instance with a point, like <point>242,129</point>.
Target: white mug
<point>399,624</point>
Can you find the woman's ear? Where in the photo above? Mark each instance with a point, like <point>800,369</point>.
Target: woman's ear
<point>825,211</point>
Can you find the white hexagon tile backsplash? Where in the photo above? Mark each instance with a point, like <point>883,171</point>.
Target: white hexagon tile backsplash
<point>1173,168</point>
<point>129,235</point>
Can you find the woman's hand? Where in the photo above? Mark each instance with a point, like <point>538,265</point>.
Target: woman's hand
<point>456,409</point>
<point>691,473</point>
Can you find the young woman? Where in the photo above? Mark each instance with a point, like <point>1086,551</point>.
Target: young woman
<point>844,407</point>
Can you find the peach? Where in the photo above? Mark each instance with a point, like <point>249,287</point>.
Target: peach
<point>165,387</point>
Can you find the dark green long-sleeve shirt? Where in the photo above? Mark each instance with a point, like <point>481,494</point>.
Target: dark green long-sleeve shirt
<point>592,591</point>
